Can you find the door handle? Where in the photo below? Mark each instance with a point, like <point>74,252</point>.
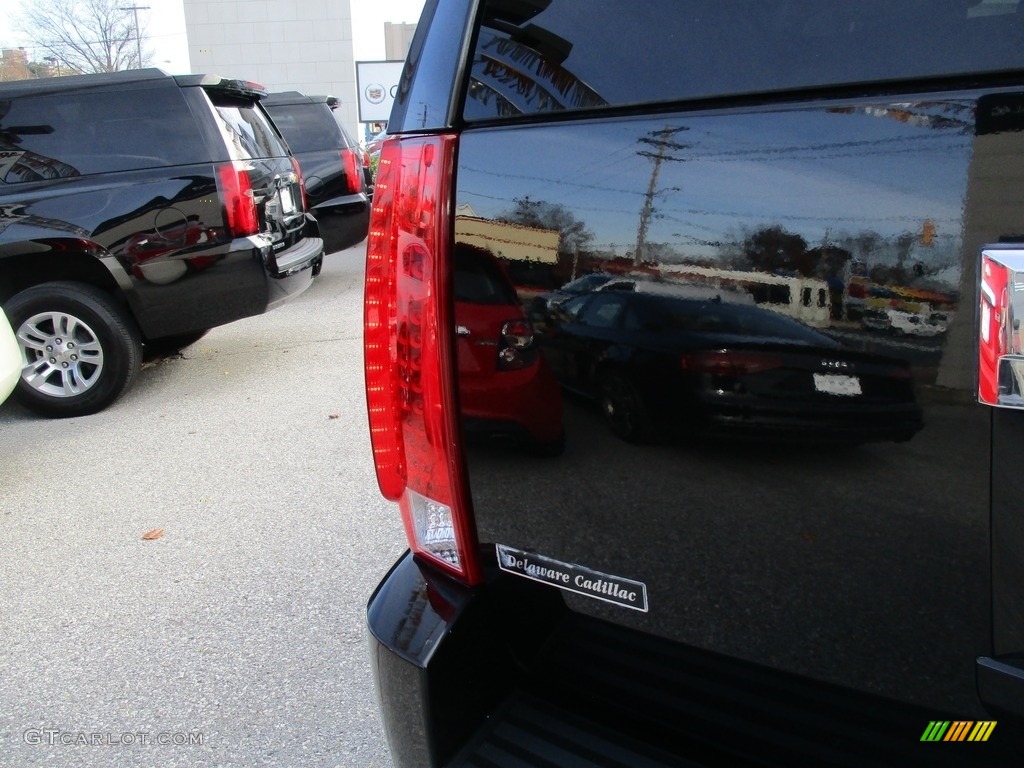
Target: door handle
<point>1001,328</point>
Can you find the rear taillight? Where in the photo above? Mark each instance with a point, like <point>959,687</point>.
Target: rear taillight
<point>301,182</point>
<point>726,363</point>
<point>515,346</point>
<point>353,171</point>
<point>410,374</point>
<point>235,189</point>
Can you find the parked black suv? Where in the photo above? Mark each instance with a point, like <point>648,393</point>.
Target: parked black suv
<point>136,208</point>
<point>332,165</point>
<point>762,596</point>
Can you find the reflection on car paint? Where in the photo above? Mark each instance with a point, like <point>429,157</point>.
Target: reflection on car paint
<point>762,212</point>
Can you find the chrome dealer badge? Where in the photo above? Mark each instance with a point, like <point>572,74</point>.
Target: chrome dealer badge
<point>573,578</point>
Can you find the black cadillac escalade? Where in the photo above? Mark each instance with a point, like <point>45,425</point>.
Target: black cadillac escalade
<point>778,534</point>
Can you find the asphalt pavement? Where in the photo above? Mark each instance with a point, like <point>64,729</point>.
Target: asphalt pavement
<point>236,637</point>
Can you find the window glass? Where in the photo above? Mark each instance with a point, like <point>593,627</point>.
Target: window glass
<point>248,132</point>
<point>603,311</point>
<point>478,278</point>
<point>306,127</point>
<point>535,56</point>
<point>586,283</point>
<point>58,136</point>
<point>670,314</point>
<point>574,307</point>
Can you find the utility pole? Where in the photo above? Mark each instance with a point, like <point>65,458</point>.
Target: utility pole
<point>138,42</point>
<point>662,141</point>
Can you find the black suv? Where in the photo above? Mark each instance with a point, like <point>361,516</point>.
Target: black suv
<point>332,165</point>
<point>138,207</point>
<point>777,593</point>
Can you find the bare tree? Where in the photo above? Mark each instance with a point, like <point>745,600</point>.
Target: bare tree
<point>85,35</point>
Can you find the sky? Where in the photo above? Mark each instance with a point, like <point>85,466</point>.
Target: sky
<point>164,28</point>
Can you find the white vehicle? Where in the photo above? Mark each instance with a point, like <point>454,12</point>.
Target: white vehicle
<point>914,324</point>
<point>10,358</point>
<point>806,299</point>
<point>678,290</point>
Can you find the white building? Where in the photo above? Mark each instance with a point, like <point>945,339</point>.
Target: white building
<point>287,45</point>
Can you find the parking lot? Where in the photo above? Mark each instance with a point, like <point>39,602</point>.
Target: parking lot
<point>237,637</point>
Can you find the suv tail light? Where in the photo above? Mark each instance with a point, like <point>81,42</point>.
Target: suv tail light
<point>725,363</point>
<point>235,189</point>
<point>353,170</point>
<point>410,372</point>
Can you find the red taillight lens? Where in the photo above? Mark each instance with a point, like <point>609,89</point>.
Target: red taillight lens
<point>301,182</point>
<point>235,188</point>
<point>726,363</point>
<point>353,171</point>
<point>410,373</point>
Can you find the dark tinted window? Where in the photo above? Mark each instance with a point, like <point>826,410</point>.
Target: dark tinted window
<point>586,283</point>
<point>479,280</point>
<point>248,132</point>
<point>576,54</point>
<point>721,317</point>
<point>306,127</point>
<point>68,134</point>
<point>603,311</point>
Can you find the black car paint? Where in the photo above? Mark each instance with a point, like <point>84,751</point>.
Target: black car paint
<point>103,227</point>
<point>876,576</point>
<point>650,357</point>
<point>343,216</point>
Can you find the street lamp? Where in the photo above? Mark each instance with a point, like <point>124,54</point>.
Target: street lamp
<point>54,62</point>
<point>138,43</point>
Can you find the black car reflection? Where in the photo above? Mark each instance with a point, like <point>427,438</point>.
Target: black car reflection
<point>660,364</point>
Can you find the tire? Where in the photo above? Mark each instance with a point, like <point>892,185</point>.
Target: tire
<point>95,346</point>
<point>624,410</point>
<point>168,345</point>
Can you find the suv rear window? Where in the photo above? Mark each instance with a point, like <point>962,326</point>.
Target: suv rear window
<point>248,132</point>
<point>527,62</point>
<point>478,280</point>
<point>62,135</point>
<point>309,127</point>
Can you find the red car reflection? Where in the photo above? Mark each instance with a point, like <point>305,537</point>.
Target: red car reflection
<point>507,390</point>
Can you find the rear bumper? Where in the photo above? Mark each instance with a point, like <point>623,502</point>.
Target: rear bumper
<point>524,405</point>
<point>805,421</point>
<point>344,221</point>
<point>505,675</point>
<point>293,270</point>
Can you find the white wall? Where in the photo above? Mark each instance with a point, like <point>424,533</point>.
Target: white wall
<point>287,45</point>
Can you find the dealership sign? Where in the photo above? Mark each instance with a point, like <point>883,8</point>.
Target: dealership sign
<point>377,83</point>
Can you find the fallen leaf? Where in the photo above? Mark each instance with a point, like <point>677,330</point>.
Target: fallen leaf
<point>156,533</point>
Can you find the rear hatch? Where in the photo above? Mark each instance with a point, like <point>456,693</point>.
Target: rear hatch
<point>260,165</point>
<point>777,600</point>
